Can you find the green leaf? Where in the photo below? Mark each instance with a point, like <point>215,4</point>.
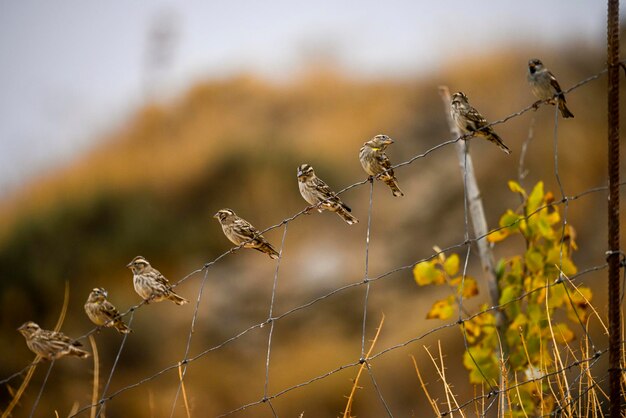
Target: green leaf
<point>481,362</point>
<point>451,265</point>
<point>500,268</point>
<point>557,297</point>
<point>534,260</point>
<point>544,226</point>
<point>508,294</point>
<point>510,220</point>
<point>535,199</point>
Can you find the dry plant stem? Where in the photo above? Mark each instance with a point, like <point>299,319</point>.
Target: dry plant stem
<point>96,376</point>
<point>563,386</point>
<point>182,386</point>
<point>347,413</point>
<point>441,372</point>
<point>519,396</point>
<point>29,375</point>
<point>432,402</point>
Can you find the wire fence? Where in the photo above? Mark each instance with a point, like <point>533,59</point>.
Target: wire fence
<point>493,396</point>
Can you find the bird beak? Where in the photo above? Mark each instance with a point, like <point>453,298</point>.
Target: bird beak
<point>129,265</point>
<point>389,141</point>
<point>531,65</point>
<point>216,216</point>
<point>21,328</point>
<point>299,172</point>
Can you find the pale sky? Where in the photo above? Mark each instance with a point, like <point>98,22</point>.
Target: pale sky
<point>71,70</point>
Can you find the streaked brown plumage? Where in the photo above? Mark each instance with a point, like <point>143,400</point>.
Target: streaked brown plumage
<point>150,284</point>
<point>471,122</point>
<point>102,312</point>
<point>315,191</point>
<point>50,345</point>
<point>376,163</point>
<point>239,231</point>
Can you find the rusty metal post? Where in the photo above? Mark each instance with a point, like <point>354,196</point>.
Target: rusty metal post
<point>614,257</point>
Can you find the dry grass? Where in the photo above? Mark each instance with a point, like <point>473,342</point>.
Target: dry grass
<point>555,388</point>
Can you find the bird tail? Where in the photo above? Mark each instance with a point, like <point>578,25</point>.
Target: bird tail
<point>493,137</point>
<point>393,185</point>
<point>177,299</point>
<point>267,248</point>
<point>565,112</point>
<point>121,327</point>
<point>345,215</point>
<point>75,351</point>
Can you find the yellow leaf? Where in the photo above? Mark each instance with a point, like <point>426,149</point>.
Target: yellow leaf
<point>535,199</point>
<point>498,235</point>
<point>470,287</point>
<point>426,273</point>
<point>516,188</point>
<point>562,333</point>
<point>451,265</point>
<point>442,309</point>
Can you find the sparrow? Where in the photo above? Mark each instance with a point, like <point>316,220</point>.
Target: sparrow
<point>470,122</point>
<point>376,163</point>
<point>150,284</point>
<point>316,192</point>
<point>241,232</point>
<point>102,312</point>
<point>50,345</point>
<point>545,87</point>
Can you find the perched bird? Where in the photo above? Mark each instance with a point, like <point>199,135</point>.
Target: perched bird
<point>470,122</point>
<point>50,345</point>
<point>374,161</point>
<point>545,87</point>
<point>150,284</point>
<point>315,191</point>
<point>241,232</point>
<point>102,312</point>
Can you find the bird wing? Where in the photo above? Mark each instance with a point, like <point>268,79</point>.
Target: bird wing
<point>247,232</point>
<point>109,310</point>
<point>554,83</point>
<point>478,120</point>
<point>59,339</point>
<point>323,189</point>
<point>159,278</point>
<point>384,162</point>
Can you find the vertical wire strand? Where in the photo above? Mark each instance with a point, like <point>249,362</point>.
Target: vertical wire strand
<point>43,385</point>
<point>564,223</point>
<point>117,358</point>
<point>192,329</point>
<point>366,279</point>
<point>378,391</point>
<point>522,172</point>
<point>270,319</point>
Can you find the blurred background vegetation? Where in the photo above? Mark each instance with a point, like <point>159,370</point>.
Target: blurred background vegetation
<point>151,186</point>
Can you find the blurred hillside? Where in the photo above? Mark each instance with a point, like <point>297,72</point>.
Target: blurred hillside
<point>153,187</point>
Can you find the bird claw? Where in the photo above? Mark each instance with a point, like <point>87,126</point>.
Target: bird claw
<point>536,104</point>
